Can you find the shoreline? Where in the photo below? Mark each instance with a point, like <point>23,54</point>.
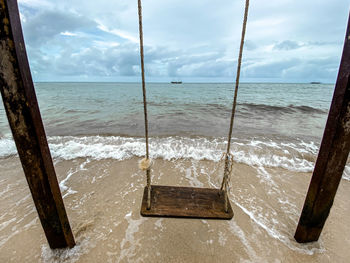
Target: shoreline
<point>102,199</point>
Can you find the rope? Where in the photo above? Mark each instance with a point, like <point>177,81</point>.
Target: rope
<point>145,164</point>
<point>228,159</point>
<point>148,174</point>
<point>227,175</point>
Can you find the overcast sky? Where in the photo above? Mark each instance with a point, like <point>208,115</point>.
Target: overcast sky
<point>189,40</point>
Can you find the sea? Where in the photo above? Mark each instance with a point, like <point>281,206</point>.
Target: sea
<point>96,138</point>
<point>99,119</point>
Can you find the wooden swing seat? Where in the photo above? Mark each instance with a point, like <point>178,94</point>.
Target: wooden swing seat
<point>186,202</point>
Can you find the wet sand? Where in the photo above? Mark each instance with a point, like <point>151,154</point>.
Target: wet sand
<point>103,199</point>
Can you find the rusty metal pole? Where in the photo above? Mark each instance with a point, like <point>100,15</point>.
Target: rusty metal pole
<point>331,158</point>
<point>23,113</point>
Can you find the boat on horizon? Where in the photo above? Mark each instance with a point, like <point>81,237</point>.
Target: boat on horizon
<point>176,82</point>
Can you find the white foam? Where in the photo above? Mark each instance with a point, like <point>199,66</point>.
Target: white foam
<point>158,224</point>
<point>49,255</point>
<point>7,147</point>
<point>63,184</point>
<point>222,239</point>
<point>296,156</point>
<point>271,230</point>
<point>31,223</point>
<point>346,174</point>
<point>127,252</point>
<point>4,239</point>
<point>267,218</point>
<point>237,231</point>
<point>3,225</point>
<point>192,175</point>
<point>7,189</point>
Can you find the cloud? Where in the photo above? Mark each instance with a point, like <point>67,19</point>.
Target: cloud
<point>35,3</point>
<point>67,33</point>
<point>118,32</point>
<point>45,25</point>
<point>287,45</point>
<point>249,45</point>
<point>286,40</point>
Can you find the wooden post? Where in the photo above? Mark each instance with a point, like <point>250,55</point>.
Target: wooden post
<point>23,113</point>
<point>331,158</point>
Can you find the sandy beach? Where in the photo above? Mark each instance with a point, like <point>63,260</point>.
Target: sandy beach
<point>103,200</point>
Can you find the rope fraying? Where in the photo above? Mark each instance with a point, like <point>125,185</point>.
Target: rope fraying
<point>145,164</point>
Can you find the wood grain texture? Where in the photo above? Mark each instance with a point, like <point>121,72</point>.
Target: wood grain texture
<point>22,109</point>
<point>185,202</point>
<point>332,156</point>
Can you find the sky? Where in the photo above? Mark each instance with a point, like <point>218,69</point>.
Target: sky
<point>188,40</point>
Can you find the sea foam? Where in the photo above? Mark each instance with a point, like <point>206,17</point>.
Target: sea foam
<point>296,156</point>
<point>7,147</point>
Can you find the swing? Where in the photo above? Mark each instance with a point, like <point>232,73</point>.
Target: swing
<point>188,202</point>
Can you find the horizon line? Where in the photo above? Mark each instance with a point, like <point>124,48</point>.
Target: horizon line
<point>190,82</point>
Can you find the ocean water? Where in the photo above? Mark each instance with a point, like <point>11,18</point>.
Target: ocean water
<point>292,110</point>
<point>191,120</point>
<point>95,133</point>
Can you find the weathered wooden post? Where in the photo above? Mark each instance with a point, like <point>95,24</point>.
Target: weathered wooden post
<point>23,113</point>
<point>331,158</point>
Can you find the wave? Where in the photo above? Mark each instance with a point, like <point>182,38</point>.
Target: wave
<point>296,156</point>
<point>245,106</point>
<point>285,109</point>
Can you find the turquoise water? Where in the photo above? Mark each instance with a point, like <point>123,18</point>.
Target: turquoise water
<point>190,109</point>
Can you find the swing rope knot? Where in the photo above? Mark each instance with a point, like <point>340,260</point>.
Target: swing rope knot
<point>228,159</point>
<point>225,185</point>
<point>145,164</point>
